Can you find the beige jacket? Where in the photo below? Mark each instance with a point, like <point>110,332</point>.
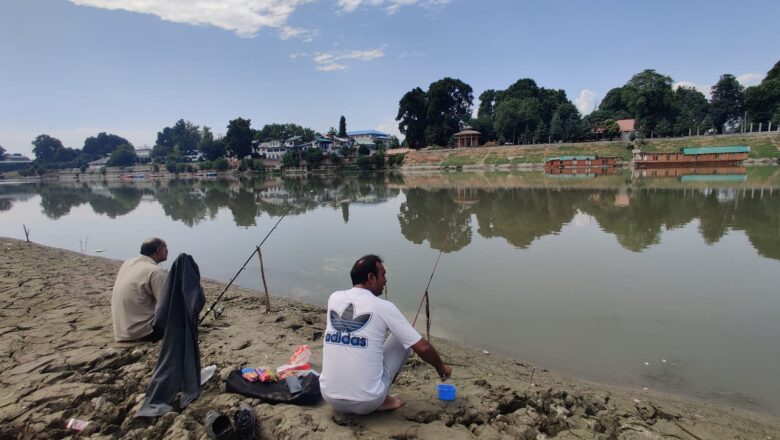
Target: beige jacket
<point>137,289</point>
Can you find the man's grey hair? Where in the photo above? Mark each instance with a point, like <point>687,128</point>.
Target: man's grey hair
<point>150,246</point>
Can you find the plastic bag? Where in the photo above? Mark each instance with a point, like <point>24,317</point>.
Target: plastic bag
<point>298,365</point>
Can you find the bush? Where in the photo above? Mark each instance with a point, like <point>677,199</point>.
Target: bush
<point>221,164</point>
<point>206,165</point>
<point>258,165</point>
<point>395,160</point>
<point>27,172</point>
<point>365,162</point>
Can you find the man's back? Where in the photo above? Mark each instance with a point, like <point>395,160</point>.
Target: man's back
<point>352,360</point>
<point>138,284</point>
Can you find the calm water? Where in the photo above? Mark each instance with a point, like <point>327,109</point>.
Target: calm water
<point>667,283</point>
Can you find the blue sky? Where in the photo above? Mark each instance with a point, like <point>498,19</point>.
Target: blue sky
<point>73,68</point>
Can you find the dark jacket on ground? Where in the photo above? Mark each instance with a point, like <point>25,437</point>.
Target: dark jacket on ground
<point>178,367</point>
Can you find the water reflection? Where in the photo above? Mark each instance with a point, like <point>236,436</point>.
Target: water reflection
<point>635,213</point>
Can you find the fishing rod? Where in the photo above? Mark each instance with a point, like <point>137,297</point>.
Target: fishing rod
<point>257,248</point>
<point>426,299</point>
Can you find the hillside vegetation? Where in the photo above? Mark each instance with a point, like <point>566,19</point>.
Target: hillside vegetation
<point>762,146</point>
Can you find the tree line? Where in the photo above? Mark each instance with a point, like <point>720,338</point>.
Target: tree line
<point>526,113</point>
<point>184,140</point>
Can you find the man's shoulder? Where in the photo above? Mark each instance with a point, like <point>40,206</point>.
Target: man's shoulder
<point>141,262</point>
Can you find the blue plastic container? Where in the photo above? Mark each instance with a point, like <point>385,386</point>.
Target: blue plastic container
<point>446,391</point>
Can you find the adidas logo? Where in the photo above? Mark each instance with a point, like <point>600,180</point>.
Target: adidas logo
<point>345,324</point>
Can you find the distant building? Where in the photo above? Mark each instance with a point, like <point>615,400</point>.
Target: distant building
<point>363,137</point>
<point>143,153</point>
<point>627,127</point>
<point>468,137</point>
<point>98,164</point>
<point>16,161</point>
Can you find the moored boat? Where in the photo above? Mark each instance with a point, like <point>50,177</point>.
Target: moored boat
<point>693,156</point>
<point>583,161</point>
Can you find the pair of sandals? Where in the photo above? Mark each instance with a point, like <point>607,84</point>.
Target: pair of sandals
<point>241,427</point>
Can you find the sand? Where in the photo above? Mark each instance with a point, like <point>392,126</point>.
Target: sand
<point>60,361</point>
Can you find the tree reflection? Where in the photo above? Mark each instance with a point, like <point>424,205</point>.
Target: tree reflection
<point>442,217</point>
<point>435,217</point>
<point>521,216</point>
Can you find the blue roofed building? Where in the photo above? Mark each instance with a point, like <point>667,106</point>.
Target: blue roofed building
<point>364,137</point>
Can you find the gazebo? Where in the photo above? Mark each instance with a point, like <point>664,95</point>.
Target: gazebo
<point>468,137</point>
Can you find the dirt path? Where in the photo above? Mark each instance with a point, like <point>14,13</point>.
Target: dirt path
<point>60,362</point>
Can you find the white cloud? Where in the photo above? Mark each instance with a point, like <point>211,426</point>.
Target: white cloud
<point>390,126</point>
<point>391,6</point>
<point>750,79</point>
<point>334,61</point>
<point>703,89</point>
<point>244,17</point>
<point>287,32</point>
<point>585,101</point>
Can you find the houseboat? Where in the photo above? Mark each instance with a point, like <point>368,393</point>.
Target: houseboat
<point>693,156</point>
<point>565,162</point>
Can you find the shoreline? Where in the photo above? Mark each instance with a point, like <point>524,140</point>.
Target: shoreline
<point>71,367</point>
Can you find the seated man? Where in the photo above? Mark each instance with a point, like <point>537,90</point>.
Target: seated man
<point>137,288</point>
<point>358,364</point>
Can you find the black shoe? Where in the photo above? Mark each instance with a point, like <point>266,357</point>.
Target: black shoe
<point>218,426</point>
<point>244,420</point>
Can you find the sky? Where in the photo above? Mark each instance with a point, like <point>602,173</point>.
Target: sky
<point>74,68</point>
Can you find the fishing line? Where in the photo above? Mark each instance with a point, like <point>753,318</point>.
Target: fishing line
<point>426,299</point>
<point>244,266</point>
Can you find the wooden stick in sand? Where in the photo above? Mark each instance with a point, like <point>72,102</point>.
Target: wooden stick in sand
<point>26,232</point>
<point>265,286</point>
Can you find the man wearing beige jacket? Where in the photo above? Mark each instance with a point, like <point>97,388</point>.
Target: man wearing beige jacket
<point>137,288</point>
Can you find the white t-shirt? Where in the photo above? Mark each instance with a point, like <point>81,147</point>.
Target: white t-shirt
<point>352,353</point>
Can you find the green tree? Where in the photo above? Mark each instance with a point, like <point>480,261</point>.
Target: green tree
<point>610,128</point>
<point>271,132</point>
<point>2,152</point>
<point>517,119</point>
<point>411,117</point>
<point>45,148</point>
<point>238,140</point>
<point>314,158</point>
<point>449,102</point>
<point>727,103</point>
<point>691,109</point>
<point>185,134</point>
<point>487,104</point>
<point>342,127</point>
<point>102,145</point>
<point>762,102</point>
<point>291,159</point>
<point>363,150</point>
<point>209,147</point>
<point>123,156</point>
<point>564,123</point>
<point>648,96</point>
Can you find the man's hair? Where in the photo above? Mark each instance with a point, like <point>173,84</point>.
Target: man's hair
<point>150,246</point>
<point>364,266</point>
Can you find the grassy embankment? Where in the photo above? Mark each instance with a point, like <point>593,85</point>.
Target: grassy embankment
<point>763,146</point>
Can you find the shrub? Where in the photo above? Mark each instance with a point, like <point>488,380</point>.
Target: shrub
<point>221,164</point>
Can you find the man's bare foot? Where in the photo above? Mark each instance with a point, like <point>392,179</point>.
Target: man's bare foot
<point>390,403</point>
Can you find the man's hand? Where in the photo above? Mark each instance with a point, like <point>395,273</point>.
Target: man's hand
<point>445,372</point>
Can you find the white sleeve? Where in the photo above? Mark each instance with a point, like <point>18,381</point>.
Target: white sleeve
<point>400,327</point>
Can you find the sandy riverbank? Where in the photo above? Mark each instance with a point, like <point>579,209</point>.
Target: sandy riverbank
<point>60,361</point>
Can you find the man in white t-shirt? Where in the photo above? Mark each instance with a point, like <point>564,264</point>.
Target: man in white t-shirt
<point>358,363</point>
